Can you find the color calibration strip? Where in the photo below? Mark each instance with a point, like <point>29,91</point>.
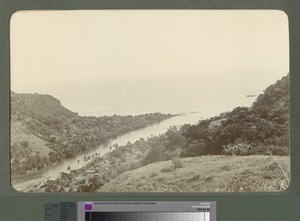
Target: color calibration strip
<point>147,216</point>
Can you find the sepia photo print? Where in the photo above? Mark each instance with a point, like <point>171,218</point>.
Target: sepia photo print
<point>150,101</point>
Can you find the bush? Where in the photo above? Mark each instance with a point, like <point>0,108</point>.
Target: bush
<point>194,148</point>
<point>154,155</point>
<point>239,149</point>
<point>135,165</point>
<point>177,162</point>
<point>153,174</point>
<point>280,151</point>
<point>24,144</point>
<point>117,153</point>
<point>167,169</point>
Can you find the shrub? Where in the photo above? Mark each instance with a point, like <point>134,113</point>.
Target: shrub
<point>240,149</point>
<point>153,174</point>
<point>134,166</point>
<point>84,188</point>
<point>162,179</point>
<point>177,162</point>
<point>118,153</point>
<point>121,169</point>
<point>167,169</point>
<point>154,155</point>
<point>280,151</point>
<point>24,144</point>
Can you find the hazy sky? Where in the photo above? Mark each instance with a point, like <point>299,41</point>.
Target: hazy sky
<point>53,49</point>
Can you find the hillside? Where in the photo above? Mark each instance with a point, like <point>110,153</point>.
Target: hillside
<point>122,171</point>
<point>262,128</point>
<point>44,132</point>
<point>206,174</point>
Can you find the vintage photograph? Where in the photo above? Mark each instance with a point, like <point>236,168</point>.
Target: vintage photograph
<point>150,101</point>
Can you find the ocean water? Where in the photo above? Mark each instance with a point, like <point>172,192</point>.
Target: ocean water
<point>175,103</point>
<point>133,96</point>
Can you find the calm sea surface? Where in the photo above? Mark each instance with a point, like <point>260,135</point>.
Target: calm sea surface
<point>132,96</point>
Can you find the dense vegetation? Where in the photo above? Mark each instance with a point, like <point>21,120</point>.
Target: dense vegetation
<point>44,132</point>
<point>262,129</point>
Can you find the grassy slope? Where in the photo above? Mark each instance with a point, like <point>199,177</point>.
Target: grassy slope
<point>20,133</point>
<point>206,174</point>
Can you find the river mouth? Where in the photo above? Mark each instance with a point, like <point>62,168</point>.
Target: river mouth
<point>27,181</point>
